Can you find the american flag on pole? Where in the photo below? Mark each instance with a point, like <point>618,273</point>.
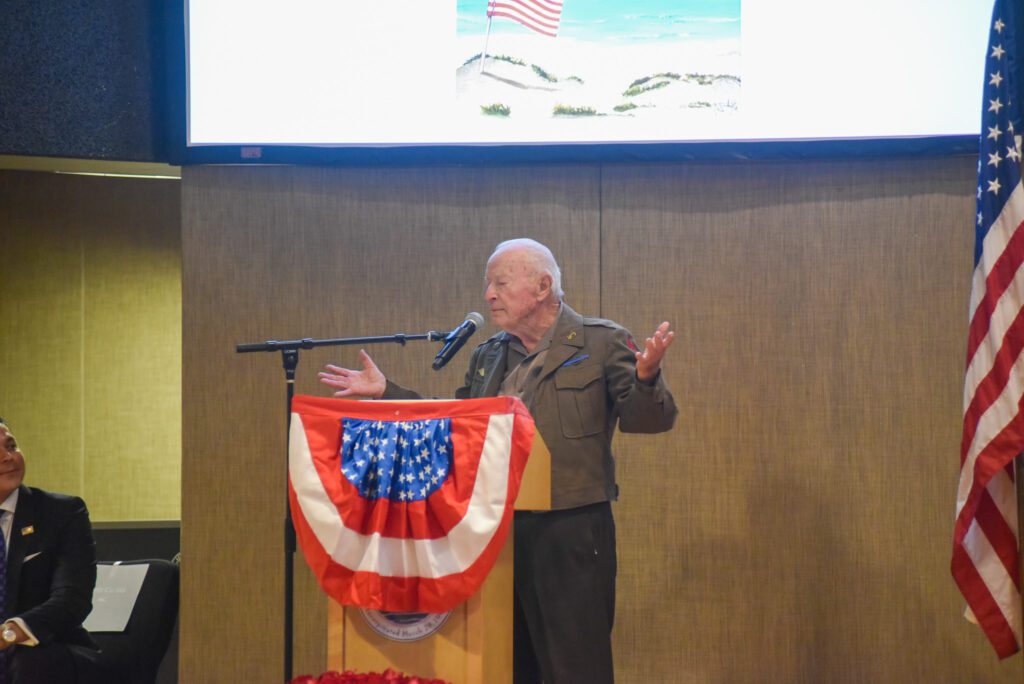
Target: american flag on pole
<point>542,16</point>
<point>404,505</point>
<point>985,538</point>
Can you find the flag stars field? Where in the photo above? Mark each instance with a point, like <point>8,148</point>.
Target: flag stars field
<point>400,461</point>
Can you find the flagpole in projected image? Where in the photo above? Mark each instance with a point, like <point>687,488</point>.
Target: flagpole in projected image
<point>290,360</point>
<point>487,37</point>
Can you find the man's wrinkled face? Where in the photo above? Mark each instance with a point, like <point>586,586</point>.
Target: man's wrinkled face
<point>12,463</point>
<point>513,291</point>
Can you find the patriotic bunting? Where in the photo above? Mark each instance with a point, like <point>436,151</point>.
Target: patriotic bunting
<point>404,505</point>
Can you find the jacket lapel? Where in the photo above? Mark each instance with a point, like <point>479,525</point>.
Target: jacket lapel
<point>565,342</point>
<point>492,363</point>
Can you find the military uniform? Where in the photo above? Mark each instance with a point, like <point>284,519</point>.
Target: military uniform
<point>578,384</point>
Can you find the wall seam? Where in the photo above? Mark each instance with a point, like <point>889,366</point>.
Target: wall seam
<point>81,365</point>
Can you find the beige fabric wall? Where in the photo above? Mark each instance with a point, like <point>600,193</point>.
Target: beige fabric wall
<point>794,527</point>
<point>90,340</point>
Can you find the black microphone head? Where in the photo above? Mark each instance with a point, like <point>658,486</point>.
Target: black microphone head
<point>457,338</point>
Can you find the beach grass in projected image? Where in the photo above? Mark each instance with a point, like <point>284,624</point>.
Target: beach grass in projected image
<point>647,69</point>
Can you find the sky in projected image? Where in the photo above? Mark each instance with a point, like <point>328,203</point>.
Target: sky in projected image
<point>642,70</point>
<point>337,72</point>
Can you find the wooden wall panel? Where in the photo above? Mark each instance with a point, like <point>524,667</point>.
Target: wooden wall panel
<point>309,252</point>
<point>795,526</point>
<point>804,503</point>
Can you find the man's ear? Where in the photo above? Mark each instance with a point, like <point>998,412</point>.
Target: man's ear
<point>544,286</point>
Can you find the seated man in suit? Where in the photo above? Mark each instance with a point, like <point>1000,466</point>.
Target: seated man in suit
<point>48,561</point>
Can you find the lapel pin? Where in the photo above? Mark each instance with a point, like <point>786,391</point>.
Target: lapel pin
<point>25,531</point>
<point>482,372</point>
<point>571,336</point>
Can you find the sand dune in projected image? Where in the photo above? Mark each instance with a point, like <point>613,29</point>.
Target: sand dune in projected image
<point>527,78</point>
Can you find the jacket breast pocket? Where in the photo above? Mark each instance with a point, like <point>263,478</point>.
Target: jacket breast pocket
<point>582,400</point>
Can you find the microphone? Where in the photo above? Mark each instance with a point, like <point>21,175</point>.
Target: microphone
<point>456,339</point>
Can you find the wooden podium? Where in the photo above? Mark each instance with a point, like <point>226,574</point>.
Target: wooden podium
<point>474,646</point>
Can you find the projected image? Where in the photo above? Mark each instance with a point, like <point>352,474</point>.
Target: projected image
<point>646,62</point>
<point>565,72</point>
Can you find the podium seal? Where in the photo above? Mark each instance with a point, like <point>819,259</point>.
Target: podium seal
<point>404,626</point>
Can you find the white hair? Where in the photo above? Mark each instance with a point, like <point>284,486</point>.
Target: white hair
<point>539,258</point>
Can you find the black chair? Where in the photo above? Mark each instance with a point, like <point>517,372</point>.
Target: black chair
<point>134,655</point>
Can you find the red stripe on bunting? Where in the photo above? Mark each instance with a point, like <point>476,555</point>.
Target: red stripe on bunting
<point>429,519</point>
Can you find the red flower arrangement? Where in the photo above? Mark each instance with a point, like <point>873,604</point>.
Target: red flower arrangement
<point>389,676</point>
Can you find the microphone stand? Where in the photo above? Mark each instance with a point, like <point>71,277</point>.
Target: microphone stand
<point>290,360</point>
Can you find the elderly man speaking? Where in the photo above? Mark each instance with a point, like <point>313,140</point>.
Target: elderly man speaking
<point>578,376</point>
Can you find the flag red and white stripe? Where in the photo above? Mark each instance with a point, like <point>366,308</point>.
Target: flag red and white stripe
<point>374,549</point>
<point>985,539</point>
<point>543,16</point>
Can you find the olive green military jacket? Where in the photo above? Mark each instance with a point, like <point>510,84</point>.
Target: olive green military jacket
<point>588,385</point>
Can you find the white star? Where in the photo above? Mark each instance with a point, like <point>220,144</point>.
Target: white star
<point>346,437</point>
<point>359,464</point>
<point>427,468</point>
<point>423,491</point>
<point>1013,153</point>
<point>424,453</point>
<point>997,78</point>
<point>993,186</point>
<point>1009,127</point>
<point>995,105</point>
<point>994,159</point>
<point>979,218</point>
<point>998,52</point>
<point>403,495</point>
<point>420,475</point>
<point>442,449</point>
<point>998,26</point>
<point>993,133</point>
<point>433,479</point>
<point>440,472</point>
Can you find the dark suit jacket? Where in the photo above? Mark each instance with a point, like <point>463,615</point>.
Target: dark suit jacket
<point>51,567</point>
<point>587,386</point>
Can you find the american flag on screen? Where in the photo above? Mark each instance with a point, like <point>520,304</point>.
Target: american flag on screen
<point>542,16</point>
<point>404,505</point>
<point>985,538</point>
